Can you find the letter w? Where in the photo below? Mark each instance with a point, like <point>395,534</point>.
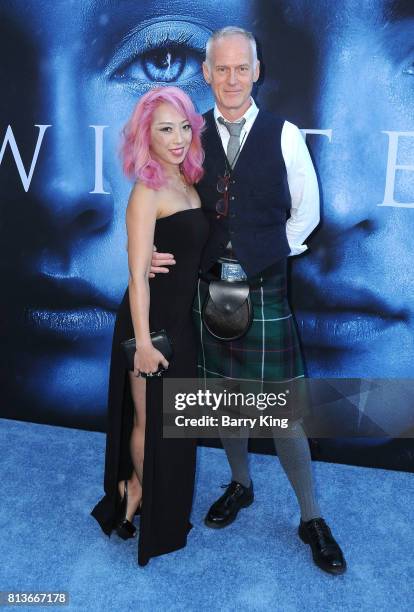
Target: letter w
<point>10,139</point>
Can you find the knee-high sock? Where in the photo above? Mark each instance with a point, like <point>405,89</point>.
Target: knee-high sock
<point>293,451</point>
<point>236,451</point>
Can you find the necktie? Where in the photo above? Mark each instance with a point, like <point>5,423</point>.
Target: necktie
<point>234,129</point>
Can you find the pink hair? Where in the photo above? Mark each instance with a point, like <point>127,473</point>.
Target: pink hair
<point>135,147</point>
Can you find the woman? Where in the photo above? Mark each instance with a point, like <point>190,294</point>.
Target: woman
<point>145,473</point>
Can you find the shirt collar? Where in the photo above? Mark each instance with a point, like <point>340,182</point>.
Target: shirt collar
<point>249,115</point>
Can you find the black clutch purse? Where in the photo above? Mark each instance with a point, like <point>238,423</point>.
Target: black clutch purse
<point>227,311</point>
<point>159,340</point>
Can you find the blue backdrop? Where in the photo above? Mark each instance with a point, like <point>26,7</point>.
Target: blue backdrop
<point>70,74</point>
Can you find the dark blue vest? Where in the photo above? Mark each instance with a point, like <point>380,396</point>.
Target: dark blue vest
<point>259,197</point>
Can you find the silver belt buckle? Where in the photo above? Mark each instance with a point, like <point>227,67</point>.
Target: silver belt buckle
<point>232,272</point>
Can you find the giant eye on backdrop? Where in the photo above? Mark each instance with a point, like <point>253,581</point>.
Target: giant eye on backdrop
<point>165,64</point>
<point>167,53</point>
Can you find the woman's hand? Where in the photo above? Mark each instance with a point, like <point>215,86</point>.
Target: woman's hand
<point>147,360</point>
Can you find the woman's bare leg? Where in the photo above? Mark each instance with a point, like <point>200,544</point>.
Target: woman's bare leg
<point>138,387</point>
<point>137,443</point>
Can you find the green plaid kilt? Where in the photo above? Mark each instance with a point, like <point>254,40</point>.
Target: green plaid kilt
<point>270,351</point>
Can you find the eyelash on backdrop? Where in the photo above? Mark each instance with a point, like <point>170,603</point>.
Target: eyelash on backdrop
<point>162,53</point>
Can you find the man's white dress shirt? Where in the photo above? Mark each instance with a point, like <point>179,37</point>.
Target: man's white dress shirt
<point>301,177</point>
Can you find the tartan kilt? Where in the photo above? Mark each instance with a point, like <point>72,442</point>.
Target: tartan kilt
<point>270,351</point>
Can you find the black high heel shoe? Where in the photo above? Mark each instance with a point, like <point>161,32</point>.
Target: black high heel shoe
<point>125,529</point>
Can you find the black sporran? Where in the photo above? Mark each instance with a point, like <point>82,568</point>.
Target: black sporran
<point>227,311</point>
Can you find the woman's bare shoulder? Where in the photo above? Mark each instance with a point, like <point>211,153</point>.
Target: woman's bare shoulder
<point>143,196</point>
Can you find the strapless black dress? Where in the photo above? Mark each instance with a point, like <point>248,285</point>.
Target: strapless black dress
<point>169,464</point>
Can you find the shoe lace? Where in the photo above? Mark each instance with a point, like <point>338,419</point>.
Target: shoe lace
<point>320,531</point>
<point>233,488</point>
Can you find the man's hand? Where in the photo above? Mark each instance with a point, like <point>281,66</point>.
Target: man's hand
<point>159,260</point>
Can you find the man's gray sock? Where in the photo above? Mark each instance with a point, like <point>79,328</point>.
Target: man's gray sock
<point>292,448</point>
<point>236,451</point>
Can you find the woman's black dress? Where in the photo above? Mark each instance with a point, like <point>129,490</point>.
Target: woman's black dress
<point>169,464</point>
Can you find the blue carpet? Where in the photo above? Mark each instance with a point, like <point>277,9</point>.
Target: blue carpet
<point>52,477</point>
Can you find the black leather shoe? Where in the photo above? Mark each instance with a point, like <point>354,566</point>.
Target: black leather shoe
<point>224,511</point>
<point>124,528</point>
<point>325,550</point>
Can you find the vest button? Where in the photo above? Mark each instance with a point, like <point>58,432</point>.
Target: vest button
<point>232,198</point>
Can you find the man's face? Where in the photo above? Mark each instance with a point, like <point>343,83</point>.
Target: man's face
<point>63,259</point>
<point>358,283</point>
<point>351,71</point>
<point>231,73</point>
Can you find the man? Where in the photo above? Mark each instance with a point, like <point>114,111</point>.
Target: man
<point>268,172</point>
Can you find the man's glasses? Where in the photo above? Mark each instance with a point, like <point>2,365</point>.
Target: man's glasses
<point>222,205</point>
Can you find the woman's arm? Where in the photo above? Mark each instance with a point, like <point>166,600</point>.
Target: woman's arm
<point>141,216</point>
